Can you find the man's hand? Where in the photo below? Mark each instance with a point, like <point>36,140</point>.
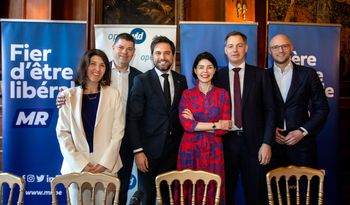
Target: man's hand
<point>141,162</point>
<point>293,137</point>
<point>280,139</point>
<point>264,154</point>
<point>60,99</point>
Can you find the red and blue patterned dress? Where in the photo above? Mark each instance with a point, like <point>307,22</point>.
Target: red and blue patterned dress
<point>202,150</point>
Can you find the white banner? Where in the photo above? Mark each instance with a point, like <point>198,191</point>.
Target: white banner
<point>143,34</point>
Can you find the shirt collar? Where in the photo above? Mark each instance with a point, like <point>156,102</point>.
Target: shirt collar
<point>159,73</point>
<point>114,67</point>
<point>288,68</point>
<point>242,66</point>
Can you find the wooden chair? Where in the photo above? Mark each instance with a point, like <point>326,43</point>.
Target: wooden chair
<point>86,179</point>
<point>288,174</point>
<point>11,180</point>
<point>187,175</point>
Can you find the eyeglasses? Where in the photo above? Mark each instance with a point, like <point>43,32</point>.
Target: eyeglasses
<point>284,47</point>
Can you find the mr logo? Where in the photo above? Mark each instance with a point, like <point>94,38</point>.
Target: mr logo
<point>30,118</point>
<point>139,35</point>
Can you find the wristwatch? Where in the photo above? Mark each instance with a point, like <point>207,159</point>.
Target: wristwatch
<point>214,126</point>
<point>302,131</point>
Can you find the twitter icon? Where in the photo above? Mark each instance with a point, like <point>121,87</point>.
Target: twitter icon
<point>40,178</point>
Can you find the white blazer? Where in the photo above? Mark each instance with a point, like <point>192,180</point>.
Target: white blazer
<point>108,134</point>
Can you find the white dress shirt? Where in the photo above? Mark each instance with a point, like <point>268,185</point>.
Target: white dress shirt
<point>284,80</point>
<point>120,81</point>
<point>171,82</point>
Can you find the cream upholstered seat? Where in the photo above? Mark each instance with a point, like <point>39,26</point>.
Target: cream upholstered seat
<point>83,180</point>
<point>283,193</point>
<point>11,180</point>
<point>187,175</point>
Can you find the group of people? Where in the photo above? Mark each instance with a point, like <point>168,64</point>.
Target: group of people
<point>238,120</point>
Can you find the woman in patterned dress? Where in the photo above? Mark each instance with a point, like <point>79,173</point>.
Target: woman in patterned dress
<point>205,115</point>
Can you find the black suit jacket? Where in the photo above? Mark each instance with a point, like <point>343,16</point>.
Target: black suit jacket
<point>151,125</point>
<point>257,105</point>
<point>305,92</point>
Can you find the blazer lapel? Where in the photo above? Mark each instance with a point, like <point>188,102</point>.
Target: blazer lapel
<point>177,85</point>
<point>102,105</point>
<point>275,85</point>
<point>295,82</point>
<point>76,103</point>
<point>247,83</point>
<point>157,87</point>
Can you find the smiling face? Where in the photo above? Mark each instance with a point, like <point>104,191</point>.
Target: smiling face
<point>123,51</point>
<point>162,56</point>
<point>280,49</point>
<point>95,70</point>
<point>236,49</point>
<point>205,71</point>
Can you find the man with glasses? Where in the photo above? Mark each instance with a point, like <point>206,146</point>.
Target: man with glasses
<point>301,107</point>
<point>247,147</point>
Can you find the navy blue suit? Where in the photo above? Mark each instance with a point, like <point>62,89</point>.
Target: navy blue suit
<point>305,94</point>
<point>154,128</point>
<point>241,152</point>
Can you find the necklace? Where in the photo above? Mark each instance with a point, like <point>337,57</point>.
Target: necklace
<point>92,96</point>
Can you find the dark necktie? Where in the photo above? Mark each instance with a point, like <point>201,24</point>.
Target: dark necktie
<point>166,90</point>
<point>237,98</point>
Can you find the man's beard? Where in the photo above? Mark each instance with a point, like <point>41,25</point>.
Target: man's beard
<point>162,68</point>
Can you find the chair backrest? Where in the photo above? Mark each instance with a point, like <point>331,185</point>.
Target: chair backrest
<point>12,181</point>
<point>83,179</point>
<point>187,175</point>
<point>300,175</point>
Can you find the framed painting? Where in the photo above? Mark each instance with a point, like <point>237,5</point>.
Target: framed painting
<point>166,12</point>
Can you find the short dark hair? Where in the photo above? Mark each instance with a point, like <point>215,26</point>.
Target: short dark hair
<point>204,55</point>
<point>236,33</point>
<point>125,36</point>
<point>81,77</point>
<point>162,39</point>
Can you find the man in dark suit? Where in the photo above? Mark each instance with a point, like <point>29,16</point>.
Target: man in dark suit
<point>122,79</point>
<point>153,121</point>
<point>301,107</point>
<point>247,147</point>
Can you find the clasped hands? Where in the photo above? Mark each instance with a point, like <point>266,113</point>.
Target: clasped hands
<point>94,168</point>
<point>292,138</point>
<point>220,125</point>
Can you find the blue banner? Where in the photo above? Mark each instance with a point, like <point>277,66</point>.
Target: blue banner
<point>38,57</point>
<point>317,46</point>
<point>199,37</point>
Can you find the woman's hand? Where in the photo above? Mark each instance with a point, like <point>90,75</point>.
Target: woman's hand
<point>88,168</point>
<point>225,124</point>
<point>98,169</point>
<point>187,114</point>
